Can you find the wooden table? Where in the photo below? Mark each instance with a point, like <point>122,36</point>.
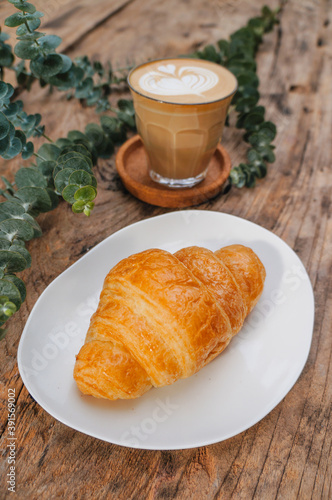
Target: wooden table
<point>287,455</point>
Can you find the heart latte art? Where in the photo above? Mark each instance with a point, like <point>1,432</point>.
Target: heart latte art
<point>171,80</point>
<point>180,108</point>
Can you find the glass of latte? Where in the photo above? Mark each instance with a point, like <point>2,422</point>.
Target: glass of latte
<point>180,106</point>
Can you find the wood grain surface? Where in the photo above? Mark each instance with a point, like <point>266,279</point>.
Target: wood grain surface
<point>287,455</point>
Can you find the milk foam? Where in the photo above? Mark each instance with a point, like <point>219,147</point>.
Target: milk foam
<point>171,80</point>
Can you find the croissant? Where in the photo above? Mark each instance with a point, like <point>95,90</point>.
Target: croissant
<point>162,317</point>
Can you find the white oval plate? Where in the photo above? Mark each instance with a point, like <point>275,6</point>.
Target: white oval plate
<point>226,397</point>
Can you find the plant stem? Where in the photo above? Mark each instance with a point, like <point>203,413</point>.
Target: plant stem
<point>47,138</point>
<point>38,156</point>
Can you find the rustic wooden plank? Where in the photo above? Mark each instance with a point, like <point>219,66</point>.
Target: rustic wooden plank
<point>288,453</point>
<point>150,29</point>
<point>69,19</point>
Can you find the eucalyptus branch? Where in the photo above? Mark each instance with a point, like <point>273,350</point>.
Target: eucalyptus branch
<point>238,55</point>
<point>56,69</point>
<point>6,54</point>
<point>62,169</point>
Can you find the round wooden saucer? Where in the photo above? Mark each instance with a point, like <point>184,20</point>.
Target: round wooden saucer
<point>131,164</point>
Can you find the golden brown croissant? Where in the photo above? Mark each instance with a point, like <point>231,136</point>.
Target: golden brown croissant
<point>162,317</point>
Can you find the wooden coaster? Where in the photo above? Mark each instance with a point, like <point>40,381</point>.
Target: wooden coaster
<point>131,164</point>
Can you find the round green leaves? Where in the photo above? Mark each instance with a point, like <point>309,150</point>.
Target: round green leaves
<point>238,55</point>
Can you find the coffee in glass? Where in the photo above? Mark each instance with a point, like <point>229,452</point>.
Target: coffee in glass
<point>180,106</point>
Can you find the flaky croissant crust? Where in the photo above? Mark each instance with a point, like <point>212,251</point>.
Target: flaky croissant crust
<point>162,317</point>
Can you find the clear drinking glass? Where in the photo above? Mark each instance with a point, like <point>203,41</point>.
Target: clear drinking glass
<point>180,105</point>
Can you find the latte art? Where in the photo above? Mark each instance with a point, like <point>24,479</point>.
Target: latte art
<point>185,80</point>
<point>180,108</point>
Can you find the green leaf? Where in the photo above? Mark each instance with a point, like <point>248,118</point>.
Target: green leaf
<point>78,207</point>
<point>9,185</point>
<point>84,89</point>
<point>82,206</point>
<point>257,24</point>
<point>15,147</point>
<point>127,112</point>
<point>88,207</point>
<point>223,46</point>
<point>76,134</point>
<point>127,119</point>
<point>81,178</point>
<point>61,179</point>
<point>35,199</point>
<point>267,153</point>
<point>259,140</point>
<point>78,75</point>
<point>4,126</point>
<point>27,150</point>
<point>12,132</point>
<point>66,63</point>
<point>64,157</point>
<point>11,208</point>
<point>259,110</point>
<point>4,37</point>
<point>29,177</point>
<point>238,66</point>
<point>53,197</point>
<point>113,128</point>
<point>94,133</point>
<point>11,262</point>
<point>17,19</point>
<point>77,163</point>
<point>63,81</point>
<point>68,193</point>
<point>269,130</point>
<point>11,110</point>
<point>21,216</point>
<point>48,66</point>
<point>94,97</point>
<point>23,6</point>
<point>50,42</point>
<point>4,145</point>
<point>9,290</point>
<point>3,89</point>
<point>86,193</point>
<point>37,232</point>
<point>17,228</point>
<point>14,20</point>
<point>6,56</point>
<point>33,25</point>
<point>248,91</point>
<point>237,177</point>
<point>254,157</point>
<point>48,152</point>
<point>24,252</point>
<point>26,49</point>
<point>7,309</point>
<point>258,171</point>
<point>19,285</point>
<point>246,104</point>
<point>4,245</point>
<point>46,168</point>
<point>106,148</point>
<point>209,53</point>
<point>78,148</point>
<point>253,121</point>
<point>61,143</point>
<point>31,36</point>
<point>10,90</point>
